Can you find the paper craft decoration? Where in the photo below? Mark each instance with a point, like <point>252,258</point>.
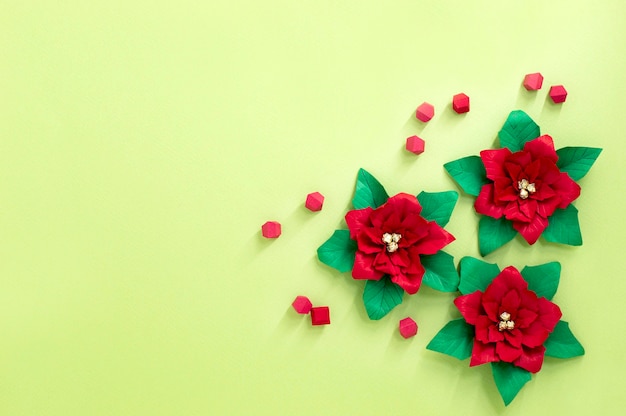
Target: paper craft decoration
<point>425,112</point>
<point>302,305</point>
<point>394,243</point>
<point>314,201</point>
<point>508,320</point>
<point>533,82</point>
<point>525,186</point>
<point>320,315</point>
<point>271,229</point>
<point>558,93</point>
<point>415,145</point>
<point>407,327</point>
<point>461,103</point>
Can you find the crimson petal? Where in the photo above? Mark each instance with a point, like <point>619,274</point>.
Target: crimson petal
<point>494,162</point>
<point>542,146</point>
<point>363,267</point>
<point>531,230</point>
<point>357,219</point>
<point>507,352</point>
<point>483,353</point>
<point>485,203</point>
<point>531,359</point>
<point>469,306</point>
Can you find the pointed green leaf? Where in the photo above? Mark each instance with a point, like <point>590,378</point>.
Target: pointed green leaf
<point>577,161</point>
<point>369,192</point>
<point>338,251</point>
<point>563,227</point>
<point>476,275</point>
<point>455,339</point>
<point>543,279</point>
<point>469,172</point>
<point>509,379</point>
<point>494,233</point>
<point>438,206</point>
<point>562,343</point>
<point>381,296</point>
<point>518,129</point>
<point>440,272</point>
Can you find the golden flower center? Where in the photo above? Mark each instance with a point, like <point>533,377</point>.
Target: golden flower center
<point>525,188</point>
<point>505,324</point>
<point>392,241</point>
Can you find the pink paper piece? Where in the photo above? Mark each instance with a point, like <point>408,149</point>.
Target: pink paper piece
<point>533,82</point>
<point>558,93</point>
<point>408,327</point>
<point>320,315</point>
<point>425,112</point>
<point>461,103</point>
<point>302,305</point>
<point>415,145</point>
<point>314,201</point>
<point>271,229</point>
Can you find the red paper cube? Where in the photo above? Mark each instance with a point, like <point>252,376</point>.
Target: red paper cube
<point>533,82</point>
<point>314,201</point>
<point>302,305</point>
<point>408,328</point>
<point>425,112</point>
<point>320,315</point>
<point>415,144</point>
<point>460,103</point>
<point>271,229</point>
<point>558,93</point>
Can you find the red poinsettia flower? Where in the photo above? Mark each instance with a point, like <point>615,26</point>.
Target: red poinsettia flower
<point>511,323</point>
<point>390,240</point>
<point>527,186</point>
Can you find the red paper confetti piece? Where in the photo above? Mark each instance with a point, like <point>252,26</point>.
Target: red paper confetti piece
<point>408,327</point>
<point>302,305</point>
<point>415,145</point>
<point>533,82</point>
<point>320,315</point>
<point>558,93</point>
<point>314,201</point>
<point>461,103</point>
<point>425,112</point>
<point>271,229</point>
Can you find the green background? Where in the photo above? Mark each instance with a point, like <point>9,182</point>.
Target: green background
<point>144,143</point>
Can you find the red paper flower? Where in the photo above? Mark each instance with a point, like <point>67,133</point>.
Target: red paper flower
<point>511,323</point>
<point>390,240</point>
<point>527,186</point>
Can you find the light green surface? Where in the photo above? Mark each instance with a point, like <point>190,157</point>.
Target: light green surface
<point>143,144</point>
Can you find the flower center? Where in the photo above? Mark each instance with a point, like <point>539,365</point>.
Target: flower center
<point>392,241</point>
<point>525,188</point>
<point>505,322</point>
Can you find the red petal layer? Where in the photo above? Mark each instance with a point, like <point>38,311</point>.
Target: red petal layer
<point>469,306</point>
<point>357,219</point>
<point>494,162</point>
<point>483,353</point>
<point>531,230</point>
<point>485,203</point>
<point>507,352</point>
<point>542,146</point>
<point>363,267</point>
<point>531,359</point>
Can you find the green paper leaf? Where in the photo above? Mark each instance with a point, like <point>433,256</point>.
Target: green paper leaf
<point>369,192</point>
<point>438,206</point>
<point>338,251</point>
<point>381,296</point>
<point>494,233</point>
<point>562,343</point>
<point>469,172</point>
<point>440,272</point>
<point>509,379</point>
<point>543,279</point>
<point>518,129</point>
<point>476,275</point>
<point>455,339</point>
<point>577,161</point>
<point>563,227</point>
